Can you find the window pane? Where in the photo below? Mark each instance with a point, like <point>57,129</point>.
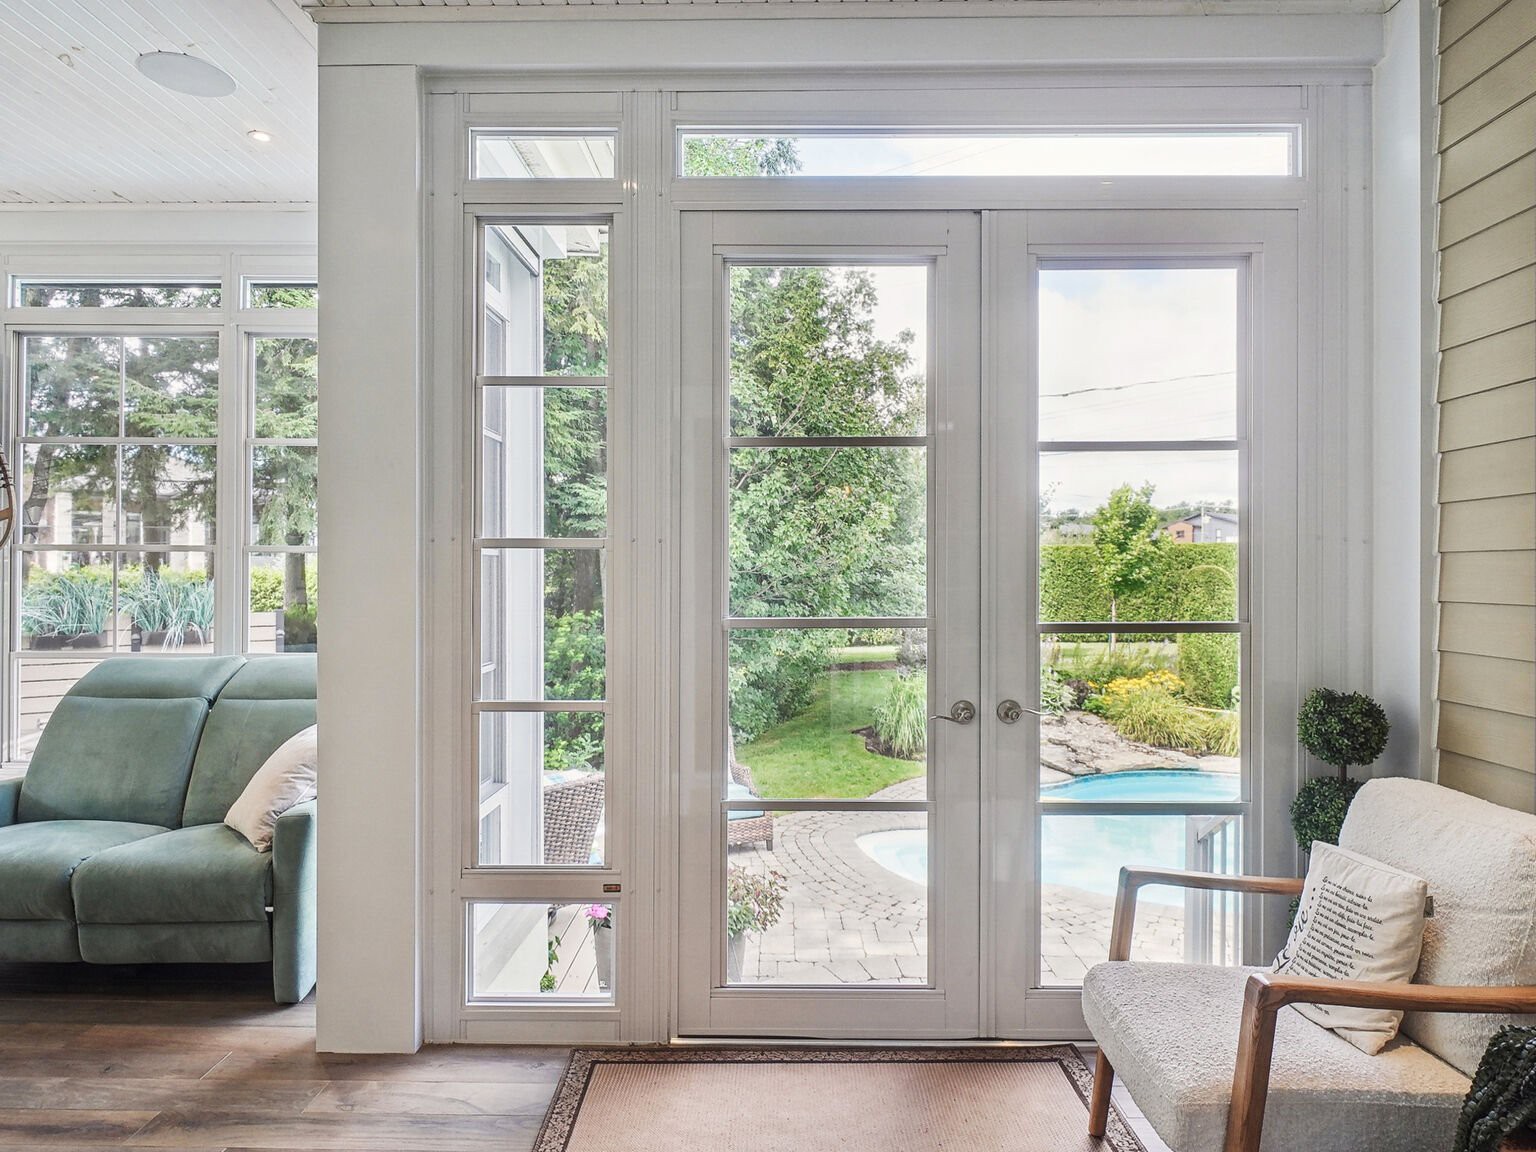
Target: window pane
<point>837,898</point>
<point>829,351</point>
<point>172,386</point>
<point>72,384</point>
<point>533,951</point>
<point>66,600</point>
<point>276,294</point>
<point>284,599</point>
<point>105,294</point>
<point>1151,718</point>
<point>544,462</point>
<point>67,494</point>
<point>165,602</point>
<point>546,300</point>
<point>1138,353</point>
<point>503,155</point>
<point>284,486</point>
<point>1123,533</point>
<point>1080,862</point>
<point>828,531</point>
<point>541,624</point>
<point>542,773</point>
<point>287,388</point>
<point>828,713</point>
<point>896,153</point>
<point>168,494</point>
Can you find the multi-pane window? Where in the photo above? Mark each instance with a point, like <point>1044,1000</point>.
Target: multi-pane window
<point>124,460</point>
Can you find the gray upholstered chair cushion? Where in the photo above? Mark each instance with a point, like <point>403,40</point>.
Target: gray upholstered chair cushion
<point>119,746</point>
<point>265,703</point>
<point>38,859</point>
<point>206,874</point>
<point>1480,862</point>
<point>1170,1030</point>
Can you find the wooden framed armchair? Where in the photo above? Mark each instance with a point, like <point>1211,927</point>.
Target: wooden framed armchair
<point>1215,1062</point>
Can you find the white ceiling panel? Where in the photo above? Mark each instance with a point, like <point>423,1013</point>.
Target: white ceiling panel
<point>399,10</point>
<point>79,124</point>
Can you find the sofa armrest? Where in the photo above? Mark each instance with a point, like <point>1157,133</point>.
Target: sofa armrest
<point>1132,880</point>
<point>10,796</point>
<point>294,868</point>
<point>1266,993</point>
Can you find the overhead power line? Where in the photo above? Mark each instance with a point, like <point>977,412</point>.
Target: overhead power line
<point>1136,384</point>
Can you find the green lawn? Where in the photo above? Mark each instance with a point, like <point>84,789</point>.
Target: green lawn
<point>816,754</point>
<point>876,654</point>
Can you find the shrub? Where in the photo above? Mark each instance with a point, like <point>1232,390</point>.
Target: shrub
<point>773,675</point>
<point>267,588</point>
<point>573,657</point>
<point>1208,662</point>
<point>1153,715</point>
<point>1057,694</point>
<point>1342,729</point>
<point>1224,733</point>
<point>753,903</point>
<point>1070,587</point>
<point>75,603</point>
<point>299,626</point>
<point>1099,666</point>
<point>1319,809</point>
<point>901,719</point>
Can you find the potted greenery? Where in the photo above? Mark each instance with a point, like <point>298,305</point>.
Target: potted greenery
<point>67,609</point>
<point>1344,730</point>
<point>601,918</point>
<point>551,958</point>
<point>297,628</point>
<point>753,903</point>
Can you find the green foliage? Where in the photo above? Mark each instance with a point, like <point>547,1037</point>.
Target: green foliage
<point>1319,809</point>
<point>574,667</point>
<point>300,629</point>
<point>1151,714</point>
<point>1071,589</point>
<point>1208,662</point>
<point>1056,692</point>
<point>741,156</point>
<point>551,958</point>
<point>1342,729</point>
<point>284,479</point>
<point>267,588</point>
<point>901,720</point>
<point>71,604</point>
<point>178,606</point>
<point>753,903</point>
<point>1126,541</point>
<point>1094,663</point>
<point>1224,734</point>
<point>573,741</point>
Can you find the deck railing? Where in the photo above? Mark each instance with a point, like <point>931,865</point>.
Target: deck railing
<point>1213,920</point>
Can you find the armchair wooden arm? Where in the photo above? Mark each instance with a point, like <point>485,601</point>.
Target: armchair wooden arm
<point>1132,880</point>
<point>1267,993</point>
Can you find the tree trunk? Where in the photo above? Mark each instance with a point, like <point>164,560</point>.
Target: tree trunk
<point>295,590</point>
<point>1113,617</point>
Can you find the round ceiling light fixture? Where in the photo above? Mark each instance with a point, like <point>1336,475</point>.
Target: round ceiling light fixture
<point>260,135</point>
<point>186,74</point>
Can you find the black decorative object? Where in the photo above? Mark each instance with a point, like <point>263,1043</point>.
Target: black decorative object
<point>1502,1099</point>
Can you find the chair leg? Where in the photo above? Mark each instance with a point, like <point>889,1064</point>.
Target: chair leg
<point>1098,1104</point>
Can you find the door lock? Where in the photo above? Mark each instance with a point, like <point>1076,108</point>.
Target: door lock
<point>1009,711</point>
<point>963,712</point>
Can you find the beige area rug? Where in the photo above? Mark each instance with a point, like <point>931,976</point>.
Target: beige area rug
<point>826,1100</point>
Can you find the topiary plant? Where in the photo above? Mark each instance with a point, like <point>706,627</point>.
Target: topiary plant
<point>1342,729</point>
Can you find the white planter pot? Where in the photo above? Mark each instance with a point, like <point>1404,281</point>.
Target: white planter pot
<point>735,957</point>
<point>602,938</point>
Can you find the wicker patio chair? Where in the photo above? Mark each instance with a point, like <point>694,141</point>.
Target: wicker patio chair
<point>751,829</point>
<point>572,810</point>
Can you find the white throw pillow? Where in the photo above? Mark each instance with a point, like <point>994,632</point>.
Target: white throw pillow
<point>287,778</point>
<point>1358,919</point>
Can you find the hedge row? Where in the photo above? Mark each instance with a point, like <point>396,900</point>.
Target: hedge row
<point>1070,588</point>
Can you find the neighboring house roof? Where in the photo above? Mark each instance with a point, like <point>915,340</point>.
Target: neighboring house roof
<point>1199,519</point>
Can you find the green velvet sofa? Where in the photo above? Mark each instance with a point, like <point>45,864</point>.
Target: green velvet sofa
<point>113,848</point>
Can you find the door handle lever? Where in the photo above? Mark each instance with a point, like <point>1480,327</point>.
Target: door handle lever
<point>963,712</point>
<point>1009,711</point>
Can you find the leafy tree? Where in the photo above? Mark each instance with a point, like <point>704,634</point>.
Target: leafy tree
<point>1208,662</point>
<point>728,156</point>
<point>285,480</point>
<point>1126,542</point>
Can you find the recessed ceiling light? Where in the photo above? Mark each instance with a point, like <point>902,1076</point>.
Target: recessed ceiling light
<point>261,136</point>
<point>187,74</point>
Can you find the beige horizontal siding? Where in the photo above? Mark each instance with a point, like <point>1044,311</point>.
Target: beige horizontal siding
<point>1495,92</point>
<point>1461,17</point>
<point>1507,631</point>
<point>1489,149</point>
<point>1512,787</point>
<point>1506,302</point>
<point>1497,737</point>
<point>1489,470</point>
<point>1487,682</point>
<point>1503,578</point>
<point>1491,200</point>
<point>1507,413</point>
<point>1506,357</point>
<point>1484,46</point>
<point>1506,247</point>
<point>1500,524</point>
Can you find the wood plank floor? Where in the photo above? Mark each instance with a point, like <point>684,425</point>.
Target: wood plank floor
<point>201,1060</point>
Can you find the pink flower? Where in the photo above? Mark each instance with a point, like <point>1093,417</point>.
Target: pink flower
<point>599,912</point>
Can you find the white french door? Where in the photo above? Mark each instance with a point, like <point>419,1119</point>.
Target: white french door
<point>896,428</point>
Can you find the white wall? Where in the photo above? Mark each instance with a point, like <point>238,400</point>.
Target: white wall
<point>156,227</point>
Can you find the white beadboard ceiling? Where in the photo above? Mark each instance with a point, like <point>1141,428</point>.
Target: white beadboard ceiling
<point>80,125</point>
<point>401,10</point>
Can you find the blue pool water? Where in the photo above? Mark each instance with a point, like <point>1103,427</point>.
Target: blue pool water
<point>1085,851</point>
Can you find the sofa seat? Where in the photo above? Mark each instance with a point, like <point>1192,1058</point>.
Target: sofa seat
<point>1171,1030</point>
<point>38,859</point>
<point>199,875</point>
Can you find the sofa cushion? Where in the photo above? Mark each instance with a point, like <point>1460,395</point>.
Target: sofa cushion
<point>195,875</point>
<point>119,746</point>
<point>1170,1030</point>
<point>265,703</point>
<point>38,859</point>
<point>1480,863</point>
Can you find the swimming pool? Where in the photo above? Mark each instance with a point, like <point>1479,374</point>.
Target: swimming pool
<point>1085,852</point>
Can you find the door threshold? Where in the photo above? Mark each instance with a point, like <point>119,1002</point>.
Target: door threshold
<point>809,1042</point>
